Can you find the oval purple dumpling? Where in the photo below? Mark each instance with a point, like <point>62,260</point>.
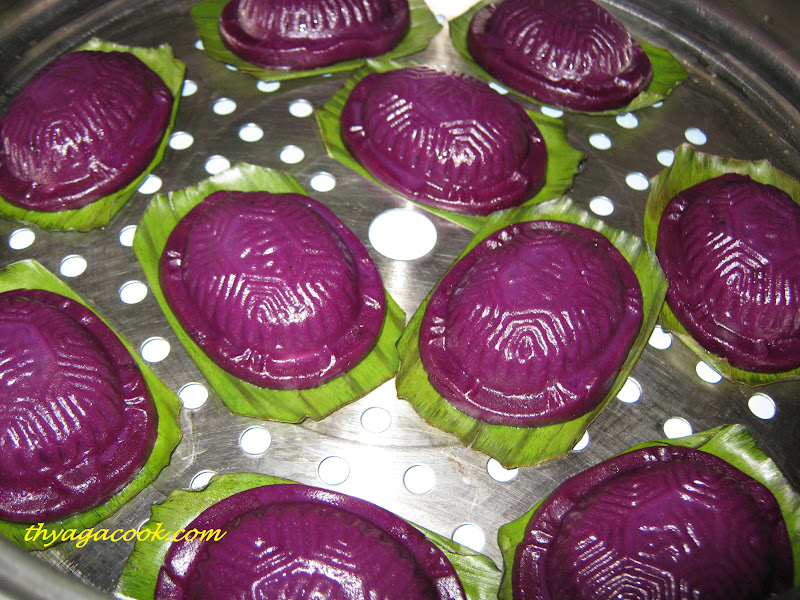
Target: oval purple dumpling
<point>730,250</point>
<point>663,523</point>
<point>306,34</point>
<point>531,327</point>
<point>444,140</point>
<point>294,541</point>
<point>273,287</point>
<point>84,127</point>
<point>570,53</point>
<point>77,421</point>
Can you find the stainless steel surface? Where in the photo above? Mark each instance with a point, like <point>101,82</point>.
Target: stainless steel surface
<point>743,93</point>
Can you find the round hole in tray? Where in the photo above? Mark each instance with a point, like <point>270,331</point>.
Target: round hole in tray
<point>631,392</point>
<point>499,473</point>
<point>199,45</point>
<point>216,164</point>
<point>707,373</point>
<point>333,470</point>
<point>21,239</point>
<point>627,121</point>
<point>255,440</point>
<point>73,265</point>
<point>470,535</point>
<point>583,443</point>
<point>637,181</point>
<point>376,419</point>
<point>419,479</point>
<point>677,427</point>
<point>268,86</point>
<point>301,109</point>
<point>600,141</point>
<point>251,132</point>
<point>201,479</point>
<point>181,140</point>
<point>696,136</point>
<point>150,185</point>
<point>193,395</point>
<point>762,406</point>
<point>132,292</point>
<point>601,206</point>
<point>666,157</point>
<point>155,349</point>
<point>556,113</point>
<point>323,182</point>
<point>292,154</point>
<point>224,106</point>
<point>660,339</point>
<point>126,235</point>
<point>402,234</point>
<point>189,88</point>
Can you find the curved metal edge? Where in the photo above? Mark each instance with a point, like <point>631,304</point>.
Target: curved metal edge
<point>24,576</point>
<point>734,49</point>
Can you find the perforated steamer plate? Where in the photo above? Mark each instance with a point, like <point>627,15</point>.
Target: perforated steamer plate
<point>740,101</point>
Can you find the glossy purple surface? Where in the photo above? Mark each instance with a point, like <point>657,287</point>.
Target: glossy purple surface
<point>570,53</point>
<point>531,327</point>
<point>445,140</point>
<point>730,249</point>
<point>273,287</point>
<point>77,422</point>
<point>296,542</point>
<point>662,523</point>
<point>306,34</point>
<point>84,127</point>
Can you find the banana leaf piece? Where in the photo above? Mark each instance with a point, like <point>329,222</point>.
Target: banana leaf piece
<point>206,18</point>
<point>99,213</point>
<point>689,168</point>
<point>478,574</point>
<point>240,397</point>
<point>667,72</point>
<point>517,446</point>
<point>731,443</point>
<point>29,274</point>
<point>562,159</point>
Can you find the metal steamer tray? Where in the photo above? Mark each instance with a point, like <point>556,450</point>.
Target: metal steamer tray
<point>741,100</point>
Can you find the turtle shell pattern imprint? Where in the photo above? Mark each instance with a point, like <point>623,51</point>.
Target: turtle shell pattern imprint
<point>532,325</point>
<point>662,523</point>
<point>273,287</point>
<point>84,127</point>
<point>730,249</point>
<point>306,34</point>
<point>445,140</point>
<point>77,422</point>
<point>570,53</point>
<point>293,542</point>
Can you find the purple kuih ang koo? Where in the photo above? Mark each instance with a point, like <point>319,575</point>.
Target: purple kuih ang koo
<point>274,288</point>
<point>664,523</point>
<point>730,249</point>
<point>84,127</point>
<point>77,421</point>
<point>531,327</point>
<point>306,34</point>
<point>349,548</point>
<point>568,53</point>
<point>444,140</point>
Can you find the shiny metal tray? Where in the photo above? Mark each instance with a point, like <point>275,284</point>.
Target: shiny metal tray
<point>741,100</point>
